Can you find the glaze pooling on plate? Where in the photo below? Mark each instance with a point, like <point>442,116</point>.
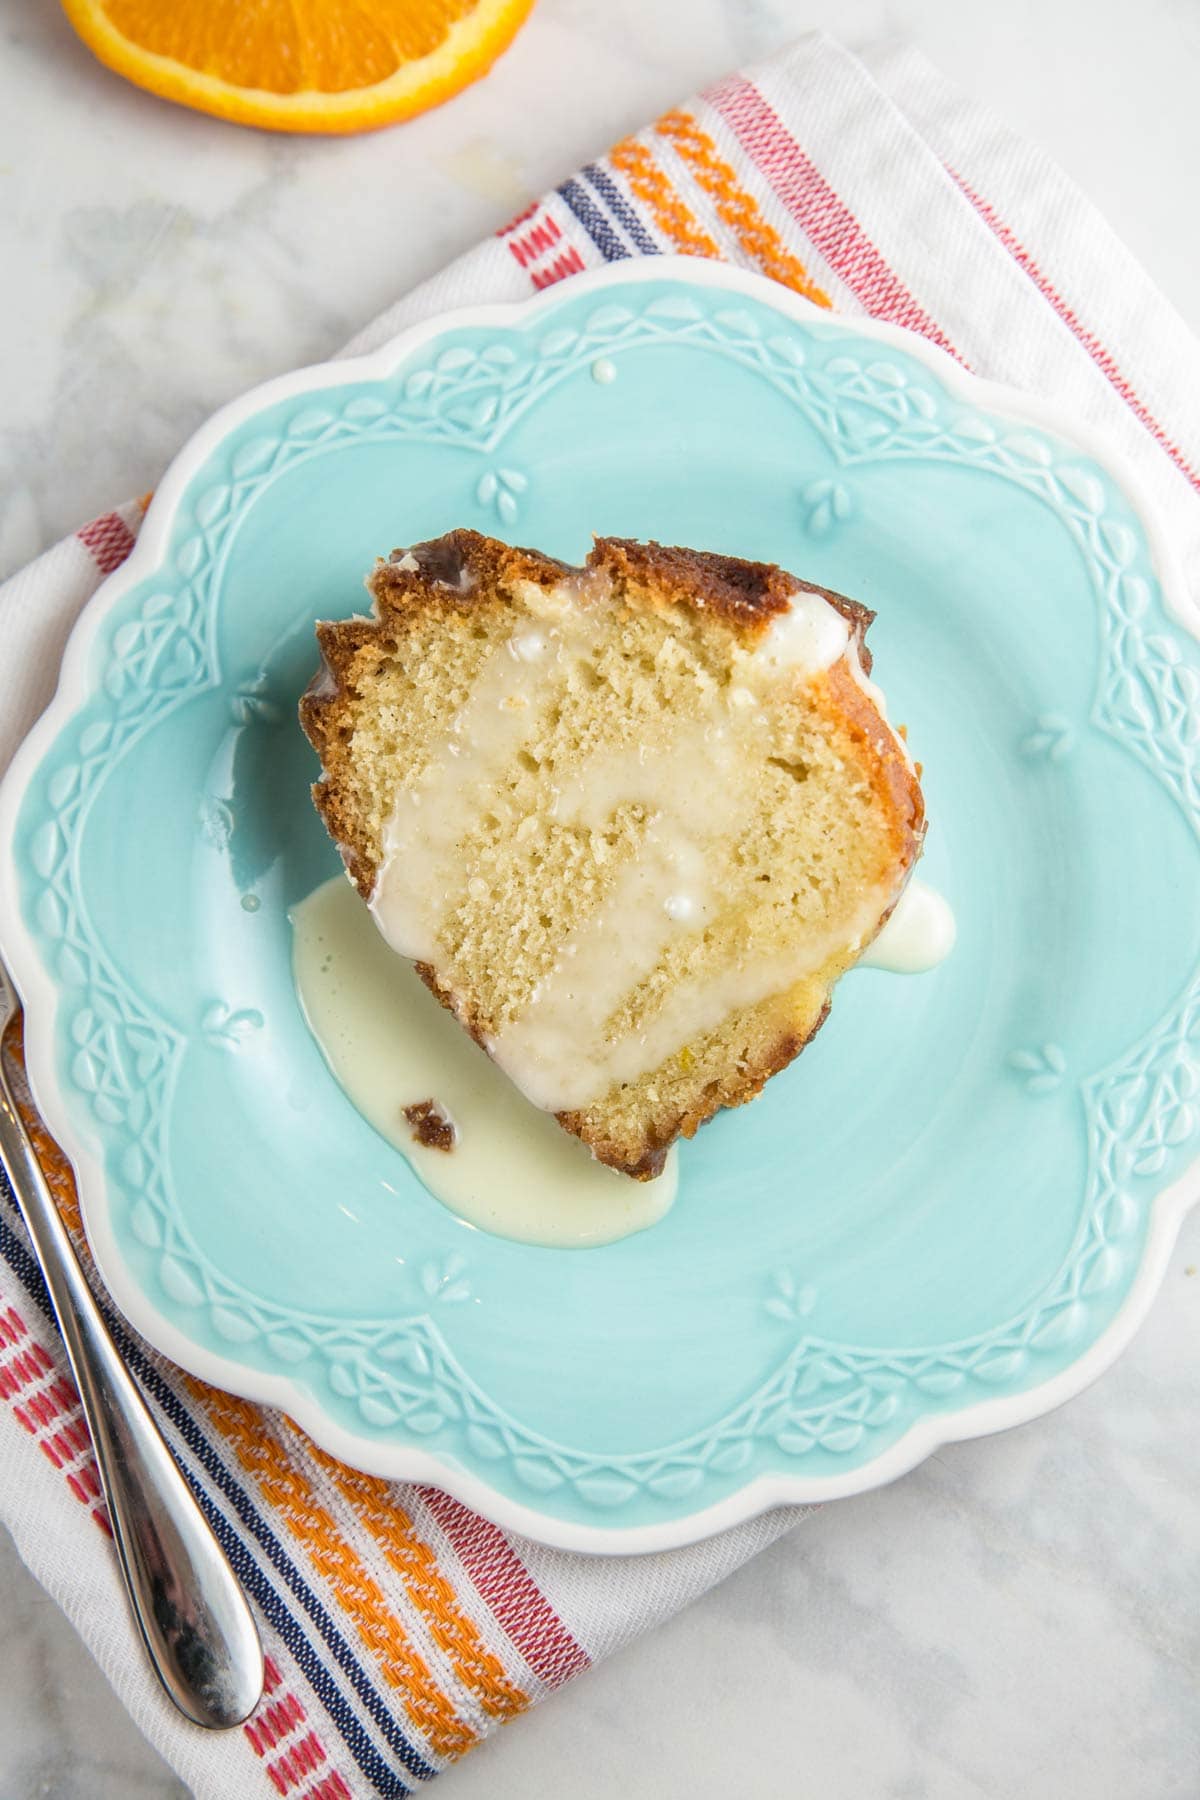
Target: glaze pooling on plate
<point>512,1170</point>
<point>919,935</point>
<point>959,1246</point>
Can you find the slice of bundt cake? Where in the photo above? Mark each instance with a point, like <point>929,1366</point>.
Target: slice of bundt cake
<point>631,821</point>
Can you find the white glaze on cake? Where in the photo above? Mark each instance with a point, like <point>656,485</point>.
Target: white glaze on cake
<point>558,1051</point>
<point>809,636</point>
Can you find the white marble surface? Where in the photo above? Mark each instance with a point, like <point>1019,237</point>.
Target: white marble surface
<point>1019,1616</point>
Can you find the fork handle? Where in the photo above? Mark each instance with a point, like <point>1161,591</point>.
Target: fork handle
<point>194,1619</point>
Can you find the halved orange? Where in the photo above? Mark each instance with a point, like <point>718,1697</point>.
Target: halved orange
<point>300,65</point>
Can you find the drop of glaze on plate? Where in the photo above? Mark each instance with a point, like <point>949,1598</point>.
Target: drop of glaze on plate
<point>919,935</point>
<point>604,371</point>
<point>514,1170</point>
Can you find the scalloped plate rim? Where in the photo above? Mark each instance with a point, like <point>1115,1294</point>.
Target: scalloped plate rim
<point>40,993</point>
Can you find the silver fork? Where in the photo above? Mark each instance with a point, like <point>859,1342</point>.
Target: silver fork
<point>194,1619</point>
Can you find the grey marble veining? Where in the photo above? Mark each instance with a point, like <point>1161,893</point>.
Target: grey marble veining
<point>63,1736</point>
<point>1019,1616</point>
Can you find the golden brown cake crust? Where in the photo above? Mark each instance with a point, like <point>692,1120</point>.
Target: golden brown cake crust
<point>747,595</point>
<point>749,1085</point>
<point>463,570</point>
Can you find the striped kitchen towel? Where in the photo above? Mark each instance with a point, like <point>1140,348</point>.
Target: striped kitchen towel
<point>400,1627</point>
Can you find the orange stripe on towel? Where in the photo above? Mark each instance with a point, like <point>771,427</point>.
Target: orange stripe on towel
<point>287,1488</point>
<point>736,207</point>
<point>428,1589</point>
<point>648,184</point>
<point>55,1166</point>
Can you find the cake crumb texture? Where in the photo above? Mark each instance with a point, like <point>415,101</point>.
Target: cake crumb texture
<point>610,782</point>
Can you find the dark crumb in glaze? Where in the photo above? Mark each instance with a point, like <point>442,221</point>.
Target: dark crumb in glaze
<point>430,1126</point>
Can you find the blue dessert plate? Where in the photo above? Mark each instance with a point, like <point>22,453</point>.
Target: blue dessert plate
<point>944,1218</point>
